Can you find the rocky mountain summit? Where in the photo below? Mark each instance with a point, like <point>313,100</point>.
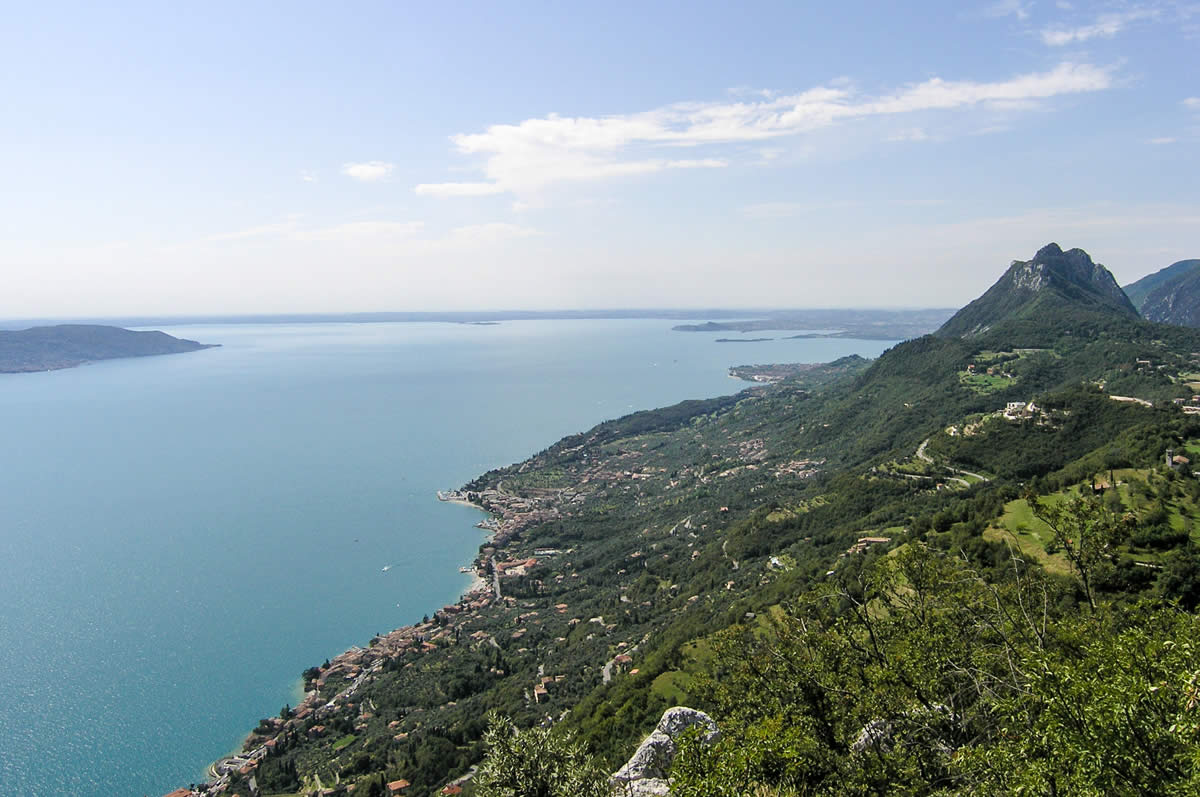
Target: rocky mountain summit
<point>1051,282</point>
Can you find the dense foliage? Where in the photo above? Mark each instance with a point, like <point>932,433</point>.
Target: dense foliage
<point>922,677</point>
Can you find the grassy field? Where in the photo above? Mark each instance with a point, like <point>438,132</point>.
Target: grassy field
<point>1018,526</point>
<point>983,383</point>
<point>345,741</point>
<point>1139,493</point>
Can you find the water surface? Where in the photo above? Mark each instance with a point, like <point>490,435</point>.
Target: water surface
<point>183,535</point>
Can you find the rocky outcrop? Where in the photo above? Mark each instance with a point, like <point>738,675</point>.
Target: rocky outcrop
<point>1053,283</point>
<point>645,773</point>
<point>1138,292</point>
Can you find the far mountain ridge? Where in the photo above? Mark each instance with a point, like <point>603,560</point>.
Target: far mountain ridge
<point>1140,290</point>
<point>1171,295</point>
<point>67,345</point>
<point>1052,282</point>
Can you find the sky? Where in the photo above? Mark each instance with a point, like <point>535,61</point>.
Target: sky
<point>225,158</point>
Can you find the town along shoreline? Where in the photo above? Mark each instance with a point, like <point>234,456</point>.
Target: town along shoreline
<point>330,689</point>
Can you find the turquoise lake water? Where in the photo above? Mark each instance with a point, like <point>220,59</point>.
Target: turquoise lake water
<point>181,536</point>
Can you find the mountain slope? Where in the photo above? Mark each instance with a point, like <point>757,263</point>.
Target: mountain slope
<point>1139,291</point>
<point>1052,282</point>
<point>619,552</point>
<point>68,345</point>
<point>1176,301</point>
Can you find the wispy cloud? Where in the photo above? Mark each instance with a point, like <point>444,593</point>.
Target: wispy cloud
<point>368,171</point>
<point>1106,26</point>
<point>361,231</point>
<point>259,231</point>
<point>530,155</point>
<point>1163,140</point>
<point>460,189</point>
<point>910,134</point>
<point>789,210</point>
<point>308,176</point>
<point>1191,103</point>
<point>1005,8</point>
<point>492,232</point>
<point>381,234</point>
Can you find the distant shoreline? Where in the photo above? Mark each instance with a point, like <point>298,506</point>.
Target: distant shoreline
<point>814,319</point>
<point>53,348</point>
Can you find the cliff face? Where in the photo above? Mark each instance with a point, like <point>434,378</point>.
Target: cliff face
<point>68,345</point>
<point>1138,292</point>
<point>1177,301</point>
<point>1053,281</point>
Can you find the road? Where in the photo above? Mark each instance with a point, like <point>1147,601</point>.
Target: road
<point>921,455</point>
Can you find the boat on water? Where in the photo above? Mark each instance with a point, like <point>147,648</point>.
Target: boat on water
<point>387,568</point>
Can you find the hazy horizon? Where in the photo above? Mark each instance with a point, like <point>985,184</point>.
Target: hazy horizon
<point>505,314</point>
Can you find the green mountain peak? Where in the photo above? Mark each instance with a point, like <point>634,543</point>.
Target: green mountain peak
<point>1053,281</point>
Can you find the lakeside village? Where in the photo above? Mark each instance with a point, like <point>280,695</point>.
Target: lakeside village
<point>334,706</point>
<point>333,688</point>
<point>345,674</point>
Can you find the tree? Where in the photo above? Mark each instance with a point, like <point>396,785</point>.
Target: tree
<point>1087,533</point>
<point>536,763</point>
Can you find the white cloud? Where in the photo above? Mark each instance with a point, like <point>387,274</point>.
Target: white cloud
<point>358,231</point>
<point>260,231</point>
<point>492,232</point>
<point>1006,8</point>
<point>789,210</point>
<point>381,236</point>
<point>526,157</point>
<point>308,176</point>
<point>1192,103</point>
<point>910,134</point>
<point>1163,140</point>
<point>698,163</point>
<point>368,171</point>
<point>459,189</point>
<point>1106,26</point>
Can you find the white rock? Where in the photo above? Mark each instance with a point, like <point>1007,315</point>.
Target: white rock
<point>645,772</point>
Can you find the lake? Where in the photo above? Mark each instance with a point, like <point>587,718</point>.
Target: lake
<point>183,535</point>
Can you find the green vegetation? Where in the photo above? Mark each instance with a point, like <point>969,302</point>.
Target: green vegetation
<point>68,345</point>
<point>924,676</point>
<point>877,582</point>
<point>535,763</point>
<point>984,384</point>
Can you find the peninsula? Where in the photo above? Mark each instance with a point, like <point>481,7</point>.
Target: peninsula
<point>68,345</point>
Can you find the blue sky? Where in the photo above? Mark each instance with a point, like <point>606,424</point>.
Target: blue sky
<point>254,157</point>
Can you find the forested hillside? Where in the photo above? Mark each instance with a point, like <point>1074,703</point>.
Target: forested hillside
<point>68,345</point>
<point>966,567</point>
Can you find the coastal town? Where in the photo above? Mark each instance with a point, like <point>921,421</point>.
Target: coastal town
<point>519,611</point>
<point>332,690</point>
